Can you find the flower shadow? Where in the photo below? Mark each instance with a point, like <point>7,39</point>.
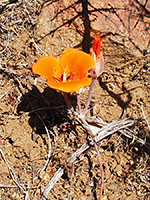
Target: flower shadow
<point>47,108</point>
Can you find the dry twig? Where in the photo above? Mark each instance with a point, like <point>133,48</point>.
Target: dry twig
<point>13,176</point>
<point>52,182</point>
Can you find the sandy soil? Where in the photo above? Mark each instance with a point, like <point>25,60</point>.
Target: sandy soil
<point>28,112</point>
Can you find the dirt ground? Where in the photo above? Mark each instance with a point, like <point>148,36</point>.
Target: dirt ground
<point>29,109</point>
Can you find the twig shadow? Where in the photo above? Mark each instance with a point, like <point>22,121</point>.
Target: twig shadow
<point>83,14</point>
<point>91,176</point>
<point>84,10</point>
<point>123,104</point>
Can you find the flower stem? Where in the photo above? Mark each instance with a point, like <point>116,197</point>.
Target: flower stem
<point>89,96</point>
<point>71,109</point>
<point>66,100</point>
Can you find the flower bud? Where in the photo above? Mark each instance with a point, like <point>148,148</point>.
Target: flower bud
<point>97,54</point>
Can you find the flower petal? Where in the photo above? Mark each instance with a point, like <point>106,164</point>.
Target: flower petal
<point>68,51</point>
<point>71,86</point>
<point>97,54</point>
<point>77,61</point>
<point>45,66</point>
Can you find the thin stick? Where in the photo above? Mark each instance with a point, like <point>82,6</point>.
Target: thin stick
<point>8,186</point>
<point>15,186</point>
<point>14,177</point>
<point>67,100</point>
<point>6,45</point>
<point>69,104</point>
<point>38,48</point>
<point>104,132</point>
<point>52,182</point>
<point>50,147</point>
<point>78,103</point>
<point>145,117</point>
<point>101,168</point>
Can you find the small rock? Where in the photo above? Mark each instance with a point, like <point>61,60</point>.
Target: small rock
<point>41,174</point>
<point>42,189</point>
<point>84,198</point>
<point>119,170</point>
<point>3,107</point>
<point>44,177</point>
<point>88,191</point>
<point>66,186</point>
<point>38,192</point>
<point>15,196</point>
<point>131,162</point>
<point>136,149</point>
<point>104,198</point>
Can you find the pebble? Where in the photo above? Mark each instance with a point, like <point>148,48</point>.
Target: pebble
<point>15,196</point>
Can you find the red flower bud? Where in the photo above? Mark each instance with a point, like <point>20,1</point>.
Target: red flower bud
<point>97,54</point>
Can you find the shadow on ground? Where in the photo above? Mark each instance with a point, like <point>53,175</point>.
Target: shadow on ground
<point>47,108</point>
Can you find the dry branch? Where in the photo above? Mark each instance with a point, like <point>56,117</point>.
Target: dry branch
<point>104,132</point>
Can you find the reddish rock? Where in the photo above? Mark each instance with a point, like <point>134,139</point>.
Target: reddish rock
<point>126,21</point>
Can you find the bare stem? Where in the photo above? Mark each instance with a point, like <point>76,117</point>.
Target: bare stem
<point>78,103</point>
<point>89,96</point>
<point>66,100</point>
<point>71,109</point>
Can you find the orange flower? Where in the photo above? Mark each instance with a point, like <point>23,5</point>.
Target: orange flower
<point>97,54</point>
<point>69,73</point>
